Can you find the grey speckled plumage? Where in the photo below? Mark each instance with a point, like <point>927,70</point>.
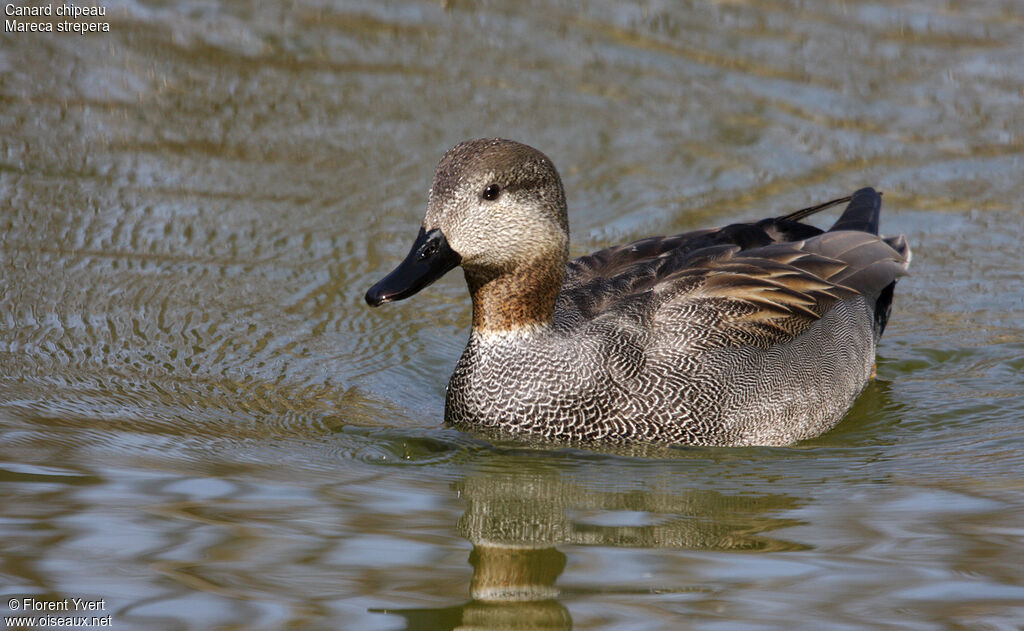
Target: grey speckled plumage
<point>753,334</point>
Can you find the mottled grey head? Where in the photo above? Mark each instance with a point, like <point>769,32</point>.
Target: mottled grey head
<point>499,203</point>
<point>495,205</point>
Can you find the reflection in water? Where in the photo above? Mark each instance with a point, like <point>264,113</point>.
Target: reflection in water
<point>201,421</point>
<point>516,517</point>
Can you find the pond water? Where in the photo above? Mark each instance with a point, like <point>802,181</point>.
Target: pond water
<point>202,424</point>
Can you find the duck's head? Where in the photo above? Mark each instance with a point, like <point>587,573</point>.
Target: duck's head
<point>496,206</point>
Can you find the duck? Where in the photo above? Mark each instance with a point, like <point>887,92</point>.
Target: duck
<point>751,334</point>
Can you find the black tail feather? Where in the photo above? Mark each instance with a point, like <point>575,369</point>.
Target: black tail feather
<point>862,213</point>
<point>804,213</point>
<point>883,306</point>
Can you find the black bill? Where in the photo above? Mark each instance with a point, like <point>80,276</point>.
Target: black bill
<point>429,259</point>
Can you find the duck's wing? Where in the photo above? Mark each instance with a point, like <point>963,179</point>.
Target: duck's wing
<point>769,295</point>
<point>592,283</point>
<point>633,266</point>
<point>772,278</point>
<point>613,261</point>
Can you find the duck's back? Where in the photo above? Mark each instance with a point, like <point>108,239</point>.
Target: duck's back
<point>760,333</point>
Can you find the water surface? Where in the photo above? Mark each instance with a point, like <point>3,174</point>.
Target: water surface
<point>202,423</point>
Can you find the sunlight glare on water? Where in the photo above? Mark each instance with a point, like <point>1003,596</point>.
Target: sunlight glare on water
<point>203,424</point>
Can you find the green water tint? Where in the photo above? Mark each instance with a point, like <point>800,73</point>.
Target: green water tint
<point>517,519</point>
<point>203,424</point>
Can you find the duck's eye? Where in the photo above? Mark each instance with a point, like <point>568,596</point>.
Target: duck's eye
<point>491,192</point>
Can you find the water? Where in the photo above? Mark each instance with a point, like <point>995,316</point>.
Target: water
<point>204,426</point>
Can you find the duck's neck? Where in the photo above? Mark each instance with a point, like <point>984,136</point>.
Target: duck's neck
<point>517,301</point>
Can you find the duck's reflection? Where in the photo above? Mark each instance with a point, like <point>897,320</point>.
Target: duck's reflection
<point>517,516</point>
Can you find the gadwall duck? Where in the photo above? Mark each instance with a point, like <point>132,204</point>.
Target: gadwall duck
<point>758,333</point>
